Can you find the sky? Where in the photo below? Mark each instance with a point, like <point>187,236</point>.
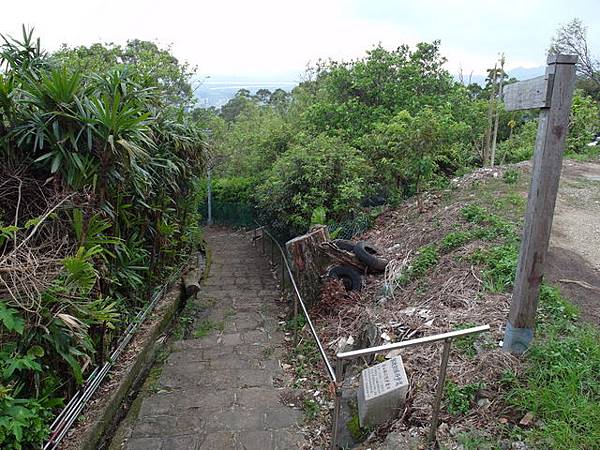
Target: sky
<point>278,38</point>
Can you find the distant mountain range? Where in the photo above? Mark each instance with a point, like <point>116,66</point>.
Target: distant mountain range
<point>216,91</point>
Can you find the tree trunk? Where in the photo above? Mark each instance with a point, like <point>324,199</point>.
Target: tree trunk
<point>308,262</point>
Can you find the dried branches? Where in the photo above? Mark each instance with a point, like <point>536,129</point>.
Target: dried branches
<point>29,266</point>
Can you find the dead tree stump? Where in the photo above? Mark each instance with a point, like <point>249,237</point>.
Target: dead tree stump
<point>308,262</point>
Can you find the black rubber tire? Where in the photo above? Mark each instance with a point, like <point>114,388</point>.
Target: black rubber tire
<point>350,277</point>
<point>344,244</point>
<point>369,254</point>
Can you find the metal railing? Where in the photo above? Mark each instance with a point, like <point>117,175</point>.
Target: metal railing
<point>446,337</point>
<point>337,376</point>
<point>285,267</point>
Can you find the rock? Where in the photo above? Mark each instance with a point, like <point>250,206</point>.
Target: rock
<point>443,428</point>
<point>400,440</point>
<point>519,445</point>
<point>527,420</point>
<point>483,402</point>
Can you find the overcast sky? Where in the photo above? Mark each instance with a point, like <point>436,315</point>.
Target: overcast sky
<point>266,38</point>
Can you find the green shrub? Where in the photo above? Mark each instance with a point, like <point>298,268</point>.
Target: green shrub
<point>474,213</point>
<point>510,176</point>
<point>519,147</point>
<point>229,190</point>
<point>455,239</point>
<point>584,122</point>
<point>501,262</point>
<point>323,172</point>
<point>466,344</point>
<point>427,257</point>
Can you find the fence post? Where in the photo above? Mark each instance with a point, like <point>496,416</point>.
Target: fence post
<point>339,375</point>
<point>547,164</point>
<point>439,392</point>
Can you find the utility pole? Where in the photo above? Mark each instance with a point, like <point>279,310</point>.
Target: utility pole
<point>496,109</point>
<point>209,220</point>
<point>553,94</point>
<point>488,140</point>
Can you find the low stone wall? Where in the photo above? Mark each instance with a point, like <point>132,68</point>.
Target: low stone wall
<point>149,346</point>
<point>108,405</point>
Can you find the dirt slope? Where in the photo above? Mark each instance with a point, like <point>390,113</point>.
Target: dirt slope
<point>575,243</point>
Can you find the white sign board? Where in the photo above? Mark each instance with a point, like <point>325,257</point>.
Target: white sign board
<point>382,392</point>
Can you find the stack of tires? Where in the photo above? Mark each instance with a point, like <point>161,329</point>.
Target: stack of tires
<point>366,253</point>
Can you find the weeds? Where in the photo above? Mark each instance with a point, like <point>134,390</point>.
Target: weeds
<point>466,344</point>
<point>460,398</point>
<point>311,408</point>
<point>206,326</point>
<point>455,239</point>
<point>358,433</point>
<point>511,176</point>
<point>427,257</point>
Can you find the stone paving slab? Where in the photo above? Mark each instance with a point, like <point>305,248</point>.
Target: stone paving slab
<point>221,391</point>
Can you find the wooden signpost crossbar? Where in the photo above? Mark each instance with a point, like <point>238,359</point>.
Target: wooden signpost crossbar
<point>553,94</point>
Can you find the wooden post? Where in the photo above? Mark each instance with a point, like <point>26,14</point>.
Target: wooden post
<point>497,113</point>
<point>554,97</point>
<point>439,392</point>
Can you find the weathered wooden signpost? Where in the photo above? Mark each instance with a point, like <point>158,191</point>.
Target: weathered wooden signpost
<point>553,94</point>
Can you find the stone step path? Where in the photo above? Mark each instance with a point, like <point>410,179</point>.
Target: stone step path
<point>222,390</point>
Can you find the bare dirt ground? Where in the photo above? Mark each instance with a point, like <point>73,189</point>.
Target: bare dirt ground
<point>574,258</point>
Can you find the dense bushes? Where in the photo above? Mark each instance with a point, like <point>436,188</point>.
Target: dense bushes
<point>98,203</point>
<point>324,172</point>
<point>400,112</point>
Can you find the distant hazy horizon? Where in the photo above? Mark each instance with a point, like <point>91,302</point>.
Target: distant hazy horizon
<point>218,90</point>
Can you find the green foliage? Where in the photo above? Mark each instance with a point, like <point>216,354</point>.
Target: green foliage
<point>311,408</point>
<point>460,398</point>
<point>510,176</point>
<point>23,422</point>
<point>584,122</point>
<point>108,126</point>
<point>324,172</point>
<point>230,189</point>
<point>520,146</point>
<point>11,319</point>
<point>427,257</point>
<point>319,216</point>
<point>358,433</point>
<point>474,213</point>
<point>561,388</point>
<point>501,266</point>
<point>466,344</point>
<point>554,309</point>
<point>295,323</point>
<point>206,326</point>
<point>455,239</point>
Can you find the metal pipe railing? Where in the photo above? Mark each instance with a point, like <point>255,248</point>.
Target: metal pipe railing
<point>337,376</point>
<point>447,338</point>
<point>298,298</point>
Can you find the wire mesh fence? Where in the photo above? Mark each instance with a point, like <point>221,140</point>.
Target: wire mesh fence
<point>245,215</point>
